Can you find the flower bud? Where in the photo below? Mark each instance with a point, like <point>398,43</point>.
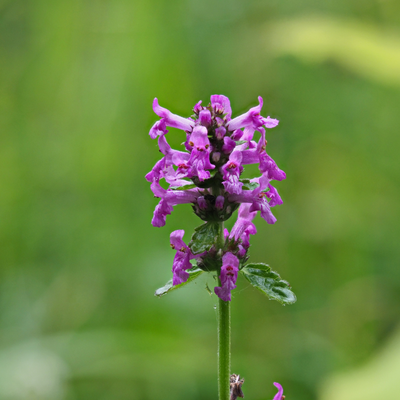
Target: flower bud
<point>205,118</point>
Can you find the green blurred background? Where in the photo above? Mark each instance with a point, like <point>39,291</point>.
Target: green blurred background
<point>79,258</point>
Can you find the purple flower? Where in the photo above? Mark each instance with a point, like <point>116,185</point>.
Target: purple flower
<point>258,154</point>
<point>268,166</point>
<point>231,172</point>
<point>201,201</point>
<point>226,233</point>
<point>279,395</point>
<point>273,195</point>
<point>172,120</point>
<point>222,105</point>
<point>163,168</point>
<point>158,129</point>
<point>160,213</point>
<point>220,132</point>
<point>252,119</point>
<point>205,118</point>
<point>229,145</point>
<point>243,222</point>
<point>197,108</point>
<point>170,198</point>
<point>237,135</point>
<point>181,260</point>
<point>216,156</point>
<point>200,155</point>
<point>211,144</point>
<point>257,198</point>
<point>219,202</point>
<point>250,230</point>
<point>174,197</point>
<point>242,251</point>
<point>228,276</point>
<point>157,172</point>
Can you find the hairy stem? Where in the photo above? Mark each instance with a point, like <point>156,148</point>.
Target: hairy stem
<point>224,337</point>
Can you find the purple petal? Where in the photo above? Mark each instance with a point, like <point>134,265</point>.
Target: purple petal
<point>237,135</point>
<point>270,122</point>
<point>229,145</point>
<point>228,276</point>
<point>197,108</point>
<point>219,202</point>
<point>205,118</point>
<point>172,120</point>
<point>273,195</point>
<point>250,118</point>
<point>224,102</point>
<point>158,128</point>
<point>201,201</point>
<point>176,239</point>
<point>220,132</point>
<point>160,213</point>
<point>156,173</point>
<point>244,220</point>
<point>279,395</point>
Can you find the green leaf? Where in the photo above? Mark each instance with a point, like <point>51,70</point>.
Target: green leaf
<point>168,287</point>
<point>269,282</point>
<point>189,186</point>
<point>203,237</point>
<point>247,185</point>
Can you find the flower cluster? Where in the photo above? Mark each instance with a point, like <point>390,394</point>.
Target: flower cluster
<point>208,176</point>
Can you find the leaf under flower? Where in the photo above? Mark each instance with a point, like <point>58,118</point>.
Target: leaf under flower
<point>169,287</point>
<point>269,282</point>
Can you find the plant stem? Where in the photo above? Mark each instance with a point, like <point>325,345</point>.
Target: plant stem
<point>224,337</point>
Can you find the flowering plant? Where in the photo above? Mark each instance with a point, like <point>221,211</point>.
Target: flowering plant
<point>208,176</point>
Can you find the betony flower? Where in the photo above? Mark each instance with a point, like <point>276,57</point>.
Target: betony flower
<point>181,260</point>
<point>158,129</point>
<point>252,118</point>
<point>219,202</point>
<point>221,103</point>
<point>243,222</point>
<point>207,175</point>
<point>172,120</point>
<point>160,213</point>
<point>231,172</point>
<point>170,198</point>
<point>220,132</point>
<point>257,198</point>
<point>200,157</point>
<point>201,201</point>
<point>205,117</point>
<point>228,276</point>
<point>229,145</point>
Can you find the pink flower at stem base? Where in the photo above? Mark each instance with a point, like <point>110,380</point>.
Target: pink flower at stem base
<point>228,276</point>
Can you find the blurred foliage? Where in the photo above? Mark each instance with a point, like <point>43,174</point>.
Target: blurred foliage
<point>79,258</point>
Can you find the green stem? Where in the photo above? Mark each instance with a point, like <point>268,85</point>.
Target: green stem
<point>224,337</point>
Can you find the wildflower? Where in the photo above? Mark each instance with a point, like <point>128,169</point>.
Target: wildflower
<point>228,276</point>
<point>181,260</point>
<point>231,173</point>
<point>207,175</point>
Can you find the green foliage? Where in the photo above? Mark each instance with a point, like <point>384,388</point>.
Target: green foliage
<point>247,185</point>
<point>189,186</point>
<point>269,282</point>
<point>203,237</point>
<point>168,287</point>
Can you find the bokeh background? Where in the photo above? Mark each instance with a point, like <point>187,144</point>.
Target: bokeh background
<point>79,258</point>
